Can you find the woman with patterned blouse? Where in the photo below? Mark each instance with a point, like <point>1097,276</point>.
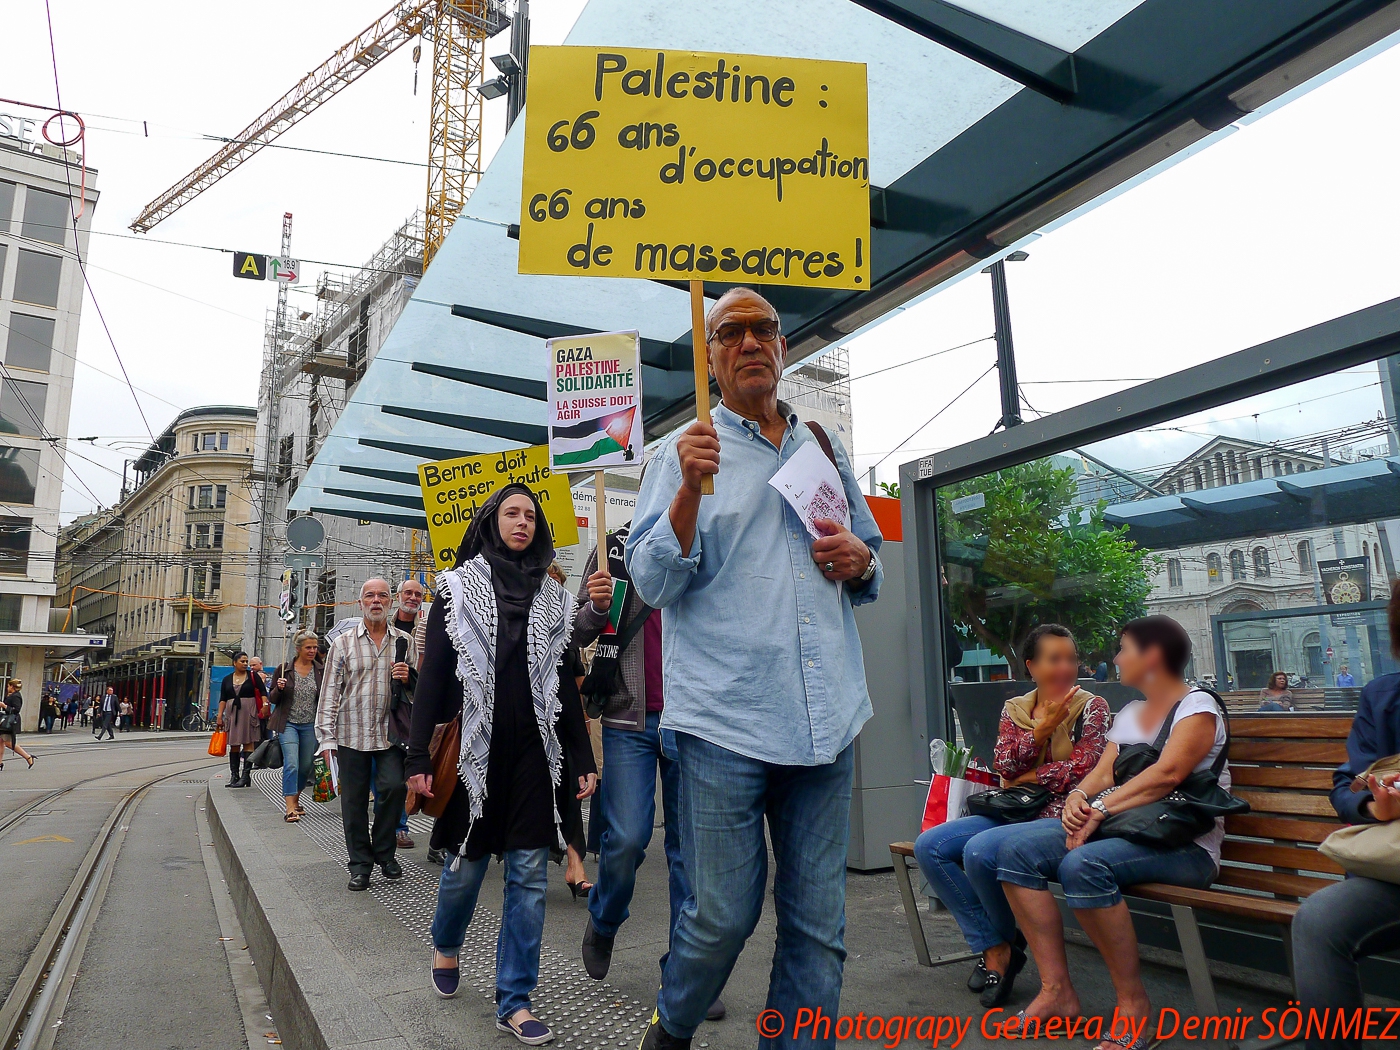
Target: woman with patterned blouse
<point>1052,736</point>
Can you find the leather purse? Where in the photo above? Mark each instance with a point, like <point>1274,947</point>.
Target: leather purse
<point>1369,850</point>
<point>1013,805</point>
<point>444,749</point>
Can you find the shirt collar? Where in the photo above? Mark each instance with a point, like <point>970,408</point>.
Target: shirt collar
<point>723,414</point>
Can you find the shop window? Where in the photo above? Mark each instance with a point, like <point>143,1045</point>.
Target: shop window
<point>37,278</point>
<point>47,216</point>
<point>30,344</point>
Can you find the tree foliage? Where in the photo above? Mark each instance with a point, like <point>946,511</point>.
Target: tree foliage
<point>1029,556</point>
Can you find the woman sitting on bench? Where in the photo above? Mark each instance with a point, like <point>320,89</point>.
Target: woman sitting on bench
<point>1152,658</point>
<point>1052,736</point>
<point>1341,924</point>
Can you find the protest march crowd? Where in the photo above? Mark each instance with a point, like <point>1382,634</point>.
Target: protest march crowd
<point>734,671</point>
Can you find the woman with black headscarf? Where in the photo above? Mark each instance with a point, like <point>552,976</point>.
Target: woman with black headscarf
<point>493,650</point>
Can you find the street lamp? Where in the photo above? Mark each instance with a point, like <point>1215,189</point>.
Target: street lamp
<point>1006,353</point>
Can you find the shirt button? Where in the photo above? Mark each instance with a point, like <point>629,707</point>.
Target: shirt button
<point>801,575</point>
<point>811,663</point>
<point>806,619</point>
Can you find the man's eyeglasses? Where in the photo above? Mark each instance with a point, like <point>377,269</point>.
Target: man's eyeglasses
<point>732,334</point>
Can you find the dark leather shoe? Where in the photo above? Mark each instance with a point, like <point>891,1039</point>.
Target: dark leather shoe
<point>657,1038</point>
<point>977,979</point>
<point>716,1011</point>
<point>391,868</point>
<point>436,856</point>
<point>597,953</point>
<point>359,881</point>
<point>998,987</point>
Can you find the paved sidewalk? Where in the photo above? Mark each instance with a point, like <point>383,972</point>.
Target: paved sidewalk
<point>351,969</point>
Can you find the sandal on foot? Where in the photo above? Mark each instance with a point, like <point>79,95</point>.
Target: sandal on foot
<point>291,818</point>
<point>1127,1042</point>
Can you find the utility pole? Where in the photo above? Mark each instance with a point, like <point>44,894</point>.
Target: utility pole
<point>273,372</point>
<point>1006,352</point>
<point>520,48</point>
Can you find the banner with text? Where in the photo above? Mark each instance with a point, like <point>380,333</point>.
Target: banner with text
<point>455,489</point>
<point>694,166</point>
<point>595,400</point>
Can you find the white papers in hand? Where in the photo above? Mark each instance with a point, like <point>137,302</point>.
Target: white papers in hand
<point>812,485</point>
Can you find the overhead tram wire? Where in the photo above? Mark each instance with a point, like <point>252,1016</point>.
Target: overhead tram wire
<point>889,368</point>
<point>990,368</point>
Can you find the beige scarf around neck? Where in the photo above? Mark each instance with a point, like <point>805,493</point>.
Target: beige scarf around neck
<point>1061,744</point>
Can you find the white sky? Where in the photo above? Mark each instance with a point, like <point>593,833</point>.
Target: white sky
<point>1284,224</point>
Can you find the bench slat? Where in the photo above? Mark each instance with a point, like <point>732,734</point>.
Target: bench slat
<point>1315,753</point>
<point>1261,909</point>
<point>1335,728</point>
<point>1278,856</point>
<point>1287,802</point>
<point>902,849</point>
<point>1275,776</point>
<point>1280,828</point>
<point>1271,881</point>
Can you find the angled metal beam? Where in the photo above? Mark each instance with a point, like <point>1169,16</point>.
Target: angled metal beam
<point>398,477</point>
<point>407,502</point>
<point>525,433</point>
<point>536,389</point>
<point>1032,63</point>
<point>405,448</point>
<point>673,355</point>
<point>407,521</point>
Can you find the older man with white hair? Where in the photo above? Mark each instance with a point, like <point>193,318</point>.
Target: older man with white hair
<point>352,727</point>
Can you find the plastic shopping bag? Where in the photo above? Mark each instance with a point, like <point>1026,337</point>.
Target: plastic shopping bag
<point>322,784</point>
<point>218,744</point>
<point>955,779</point>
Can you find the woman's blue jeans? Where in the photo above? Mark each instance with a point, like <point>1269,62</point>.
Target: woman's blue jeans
<point>298,741</point>
<point>522,920</point>
<point>985,921</point>
<point>1092,874</point>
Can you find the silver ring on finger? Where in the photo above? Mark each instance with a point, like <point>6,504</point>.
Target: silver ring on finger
<point>831,566</point>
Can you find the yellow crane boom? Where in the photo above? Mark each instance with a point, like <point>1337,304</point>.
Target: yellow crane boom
<point>458,29</point>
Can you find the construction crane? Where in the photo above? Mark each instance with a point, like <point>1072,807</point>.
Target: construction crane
<point>458,30</point>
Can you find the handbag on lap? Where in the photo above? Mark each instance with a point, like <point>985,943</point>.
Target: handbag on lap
<point>1369,850</point>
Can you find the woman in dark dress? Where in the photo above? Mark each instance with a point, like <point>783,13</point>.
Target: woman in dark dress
<point>240,697</point>
<point>494,645</point>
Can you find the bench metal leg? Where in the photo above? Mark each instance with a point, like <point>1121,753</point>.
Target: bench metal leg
<point>916,926</point>
<point>911,910</point>
<point>1193,951</point>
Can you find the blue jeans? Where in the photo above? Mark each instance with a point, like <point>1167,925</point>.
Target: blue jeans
<point>631,757</point>
<point>724,800</point>
<point>941,853</point>
<point>403,814</point>
<point>522,920</point>
<point>298,752</point>
<point>1092,874</point>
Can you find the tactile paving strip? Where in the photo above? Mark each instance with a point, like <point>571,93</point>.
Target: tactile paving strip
<point>584,1014</point>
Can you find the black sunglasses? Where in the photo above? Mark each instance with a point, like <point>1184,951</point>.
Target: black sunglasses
<point>732,334</point>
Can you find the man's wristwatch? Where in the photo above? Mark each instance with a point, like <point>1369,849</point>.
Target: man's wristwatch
<point>869,573</point>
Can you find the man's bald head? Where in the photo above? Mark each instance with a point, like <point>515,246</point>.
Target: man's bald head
<point>747,296</point>
<point>374,599</point>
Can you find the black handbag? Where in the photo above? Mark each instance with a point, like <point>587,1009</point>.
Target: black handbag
<point>1021,802</point>
<point>1191,809</point>
<point>268,754</point>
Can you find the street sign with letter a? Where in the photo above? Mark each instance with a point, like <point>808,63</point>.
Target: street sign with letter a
<point>250,266</point>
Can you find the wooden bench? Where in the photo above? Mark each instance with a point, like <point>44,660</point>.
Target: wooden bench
<point>1282,765</point>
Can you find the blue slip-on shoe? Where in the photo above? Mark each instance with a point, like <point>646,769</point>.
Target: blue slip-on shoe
<point>529,1031</point>
<point>446,980</point>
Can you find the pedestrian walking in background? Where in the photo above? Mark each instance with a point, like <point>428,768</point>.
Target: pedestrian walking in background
<point>352,728</point>
<point>107,715</point>
<point>124,713</point>
<point>764,681</point>
<point>255,665</point>
<point>494,649</point>
<point>295,689</point>
<point>85,710</point>
<point>408,620</point>
<point>9,722</point>
<point>240,696</point>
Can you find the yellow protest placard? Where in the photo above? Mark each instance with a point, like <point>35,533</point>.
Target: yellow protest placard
<point>692,165</point>
<point>455,489</point>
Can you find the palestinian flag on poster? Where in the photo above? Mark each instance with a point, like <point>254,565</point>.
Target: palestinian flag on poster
<point>619,602</point>
<point>589,440</point>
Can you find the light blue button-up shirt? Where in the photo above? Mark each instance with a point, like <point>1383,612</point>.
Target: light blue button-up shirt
<point>761,654</point>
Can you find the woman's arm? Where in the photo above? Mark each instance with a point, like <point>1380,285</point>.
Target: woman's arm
<point>1016,752</point>
<point>1060,776</point>
<point>573,731</point>
<point>438,694</point>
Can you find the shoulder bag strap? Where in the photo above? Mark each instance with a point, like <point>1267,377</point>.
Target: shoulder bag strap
<point>1218,766</point>
<point>633,625</point>
<point>824,442</point>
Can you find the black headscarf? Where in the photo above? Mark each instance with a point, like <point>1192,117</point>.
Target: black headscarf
<point>516,576</point>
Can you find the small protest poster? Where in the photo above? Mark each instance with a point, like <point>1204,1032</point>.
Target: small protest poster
<point>454,490</point>
<point>812,486</point>
<point>595,401</point>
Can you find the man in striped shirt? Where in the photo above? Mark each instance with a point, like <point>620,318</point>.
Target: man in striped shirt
<point>352,727</point>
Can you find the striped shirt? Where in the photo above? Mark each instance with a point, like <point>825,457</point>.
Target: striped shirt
<point>355,690</point>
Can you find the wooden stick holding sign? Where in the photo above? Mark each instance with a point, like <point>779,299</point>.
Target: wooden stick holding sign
<point>701,344</point>
<point>600,516</point>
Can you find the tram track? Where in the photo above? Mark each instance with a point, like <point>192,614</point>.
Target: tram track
<point>42,988</point>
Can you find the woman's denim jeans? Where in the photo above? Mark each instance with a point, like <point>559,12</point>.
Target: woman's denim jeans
<point>522,920</point>
<point>1092,874</point>
<point>985,923</point>
<point>298,752</point>
<point>1335,928</point>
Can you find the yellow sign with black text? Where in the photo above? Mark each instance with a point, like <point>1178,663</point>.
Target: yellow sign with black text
<point>692,165</point>
<point>455,489</point>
